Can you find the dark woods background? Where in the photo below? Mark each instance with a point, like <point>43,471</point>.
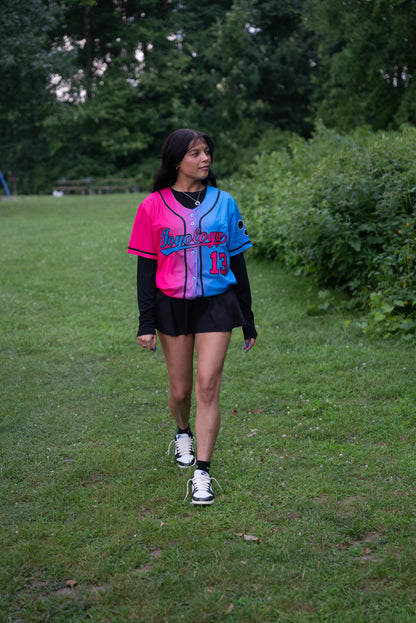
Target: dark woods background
<point>92,87</point>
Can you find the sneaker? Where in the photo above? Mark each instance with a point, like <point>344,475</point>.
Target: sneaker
<point>184,450</point>
<point>201,484</point>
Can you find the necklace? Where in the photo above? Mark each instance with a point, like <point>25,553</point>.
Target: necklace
<point>196,201</point>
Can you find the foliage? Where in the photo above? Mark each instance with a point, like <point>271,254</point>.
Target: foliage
<point>315,456</point>
<point>142,69</point>
<point>342,209</point>
<point>366,62</point>
<point>98,84</point>
<point>28,55</point>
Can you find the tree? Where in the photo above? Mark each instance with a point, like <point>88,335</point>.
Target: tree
<point>121,104</point>
<point>27,59</point>
<point>121,99</point>
<point>367,61</point>
<point>141,68</point>
<point>247,74</point>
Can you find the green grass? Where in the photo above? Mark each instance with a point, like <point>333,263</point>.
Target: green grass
<point>316,452</point>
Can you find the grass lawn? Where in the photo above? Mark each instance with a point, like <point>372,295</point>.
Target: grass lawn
<point>316,454</point>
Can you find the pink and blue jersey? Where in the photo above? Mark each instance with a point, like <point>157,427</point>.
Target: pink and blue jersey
<point>192,246</point>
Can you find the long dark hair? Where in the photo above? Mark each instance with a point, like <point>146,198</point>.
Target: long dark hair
<point>174,150</point>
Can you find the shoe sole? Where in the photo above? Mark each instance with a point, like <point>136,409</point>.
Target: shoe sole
<point>202,502</point>
<point>184,466</point>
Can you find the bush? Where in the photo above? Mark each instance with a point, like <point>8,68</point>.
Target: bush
<point>340,208</point>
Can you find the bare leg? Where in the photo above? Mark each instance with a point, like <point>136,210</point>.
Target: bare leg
<point>211,350</point>
<point>178,351</point>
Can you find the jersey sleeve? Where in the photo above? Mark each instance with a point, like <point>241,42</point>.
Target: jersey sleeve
<point>142,238</point>
<point>239,240</point>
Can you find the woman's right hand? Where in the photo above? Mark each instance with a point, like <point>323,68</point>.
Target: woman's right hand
<point>147,341</point>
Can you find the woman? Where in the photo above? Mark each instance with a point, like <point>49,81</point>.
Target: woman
<point>192,288</point>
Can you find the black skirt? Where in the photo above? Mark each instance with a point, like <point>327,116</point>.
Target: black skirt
<point>202,315</point>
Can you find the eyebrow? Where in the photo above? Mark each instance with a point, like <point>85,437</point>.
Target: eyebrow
<point>198,149</point>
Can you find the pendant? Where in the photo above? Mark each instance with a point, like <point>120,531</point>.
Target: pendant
<point>197,203</point>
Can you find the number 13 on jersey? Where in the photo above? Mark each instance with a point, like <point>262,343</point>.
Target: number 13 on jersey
<point>218,263</point>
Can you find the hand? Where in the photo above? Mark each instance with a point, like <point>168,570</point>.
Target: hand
<point>248,344</point>
<point>147,341</point>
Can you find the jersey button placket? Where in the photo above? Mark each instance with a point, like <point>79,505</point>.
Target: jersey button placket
<point>193,264</point>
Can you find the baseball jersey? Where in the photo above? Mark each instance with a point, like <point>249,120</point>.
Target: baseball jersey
<point>192,246</point>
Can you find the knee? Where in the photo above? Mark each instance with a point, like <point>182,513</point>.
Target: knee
<point>206,392</point>
<point>180,394</point>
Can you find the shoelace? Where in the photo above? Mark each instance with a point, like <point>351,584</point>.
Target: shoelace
<point>183,445</point>
<point>202,483</point>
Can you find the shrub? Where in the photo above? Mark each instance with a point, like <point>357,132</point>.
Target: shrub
<point>341,208</point>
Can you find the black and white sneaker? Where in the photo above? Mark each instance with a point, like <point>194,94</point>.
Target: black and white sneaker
<point>201,486</point>
<point>184,449</point>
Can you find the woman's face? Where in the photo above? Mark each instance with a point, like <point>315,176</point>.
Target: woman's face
<point>195,165</point>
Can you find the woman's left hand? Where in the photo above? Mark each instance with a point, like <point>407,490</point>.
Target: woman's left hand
<point>248,344</point>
